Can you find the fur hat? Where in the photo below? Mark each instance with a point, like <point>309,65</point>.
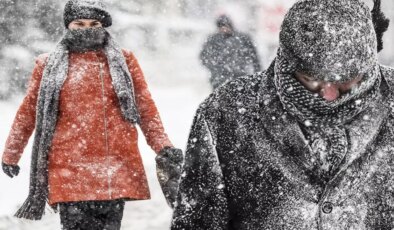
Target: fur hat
<point>332,40</point>
<point>86,9</point>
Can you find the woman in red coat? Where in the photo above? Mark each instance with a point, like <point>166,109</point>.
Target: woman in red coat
<point>84,101</point>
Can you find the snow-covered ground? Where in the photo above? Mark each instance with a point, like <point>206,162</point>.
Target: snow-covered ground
<point>177,104</point>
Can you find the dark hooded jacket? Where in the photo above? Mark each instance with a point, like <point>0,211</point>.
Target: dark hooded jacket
<point>247,166</point>
<point>228,56</point>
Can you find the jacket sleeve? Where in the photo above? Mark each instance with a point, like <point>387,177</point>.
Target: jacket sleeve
<point>25,119</point>
<point>207,55</point>
<point>253,54</point>
<point>201,201</point>
<point>151,124</point>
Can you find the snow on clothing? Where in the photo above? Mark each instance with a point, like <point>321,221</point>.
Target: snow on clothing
<point>53,78</point>
<point>228,56</point>
<point>316,39</point>
<point>249,166</point>
<point>266,153</point>
<point>324,120</point>
<point>94,153</point>
<point>86,9</point>
<point>333,40</point>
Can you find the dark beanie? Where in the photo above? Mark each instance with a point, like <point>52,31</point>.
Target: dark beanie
<point>86,9</point>
<point>331,36</point>
<point>224,20</point>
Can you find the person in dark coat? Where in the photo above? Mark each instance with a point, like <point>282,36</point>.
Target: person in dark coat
<point>229,54</point>
<point>306,144</point>
<point>84,101</point>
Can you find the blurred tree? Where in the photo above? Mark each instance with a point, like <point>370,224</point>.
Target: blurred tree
<point>198,8</point>
<point>135,7</point>
<point>15,21</point>
<point>48,14</point>
<point>13,15</point>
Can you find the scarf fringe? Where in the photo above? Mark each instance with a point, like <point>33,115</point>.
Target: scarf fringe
<point>32,209</point>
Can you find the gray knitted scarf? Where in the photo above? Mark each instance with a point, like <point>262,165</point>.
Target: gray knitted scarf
<point>324,122</point>
<point>54,75</point>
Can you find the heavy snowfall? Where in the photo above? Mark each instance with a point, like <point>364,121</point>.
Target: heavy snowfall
<point>166,37</point>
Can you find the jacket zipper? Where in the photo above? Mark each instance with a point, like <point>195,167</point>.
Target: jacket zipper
<point>105,131</point>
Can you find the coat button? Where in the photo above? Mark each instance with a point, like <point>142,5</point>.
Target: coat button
<point>327,207</point>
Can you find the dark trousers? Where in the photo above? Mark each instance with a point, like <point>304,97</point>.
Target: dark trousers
<point>91,215</point>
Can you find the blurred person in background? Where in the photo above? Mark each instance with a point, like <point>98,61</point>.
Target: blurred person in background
<point>84,102</point>
<point>306,144</point>
<point>228,53</point>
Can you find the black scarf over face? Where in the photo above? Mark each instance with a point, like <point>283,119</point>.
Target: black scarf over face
<point>83,40</point>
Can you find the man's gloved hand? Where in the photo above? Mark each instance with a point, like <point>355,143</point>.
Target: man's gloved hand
<point>169,163</point>
<point>10,170</point>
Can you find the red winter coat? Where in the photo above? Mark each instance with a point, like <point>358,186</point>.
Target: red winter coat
<point>94,153</point>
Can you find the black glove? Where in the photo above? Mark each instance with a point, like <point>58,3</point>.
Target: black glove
<point>169,164</point>
<point>10,170</point>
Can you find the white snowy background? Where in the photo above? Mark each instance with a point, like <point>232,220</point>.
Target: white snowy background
<point>166,37</point>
